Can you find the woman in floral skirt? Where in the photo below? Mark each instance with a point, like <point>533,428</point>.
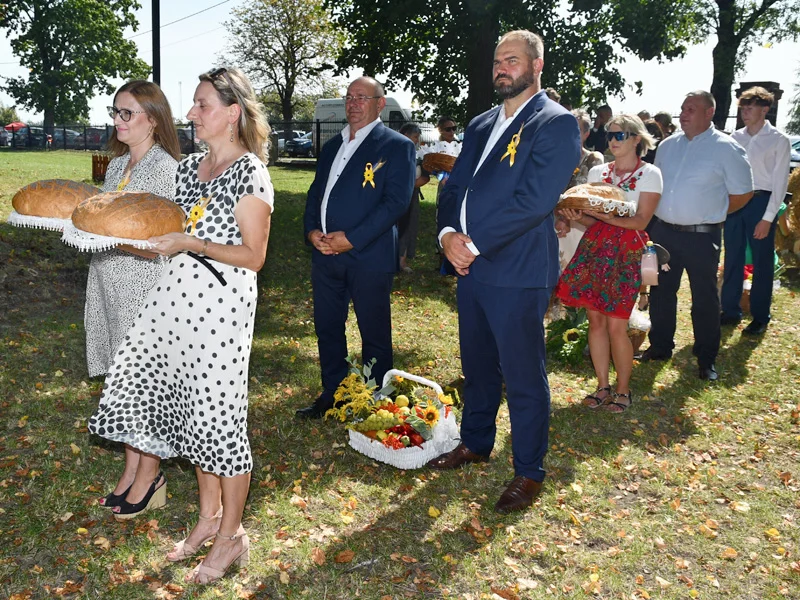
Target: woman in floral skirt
<point>604,275</point>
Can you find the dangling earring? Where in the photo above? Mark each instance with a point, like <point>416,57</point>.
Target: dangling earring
<point>231,128</point>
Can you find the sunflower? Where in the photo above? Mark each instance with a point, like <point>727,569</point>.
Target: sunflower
<point>430,415</point>
<point>446,399</point>
<point>571,335</point>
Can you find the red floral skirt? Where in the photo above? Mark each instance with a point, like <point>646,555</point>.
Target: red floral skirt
<point>605,273</point>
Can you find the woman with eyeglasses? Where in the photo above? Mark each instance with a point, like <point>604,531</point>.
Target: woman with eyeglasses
<point>178,386</point>
<point>146,152</point>
<point>604,275</point>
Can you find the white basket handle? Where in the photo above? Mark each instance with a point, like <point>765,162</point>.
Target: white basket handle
<point>387,379</point>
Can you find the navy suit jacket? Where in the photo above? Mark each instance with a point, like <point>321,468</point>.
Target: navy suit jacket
<point>367,215</point>
<point>510,208</point>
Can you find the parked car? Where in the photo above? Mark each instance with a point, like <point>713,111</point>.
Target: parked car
<point>31,137</point>
<point>5,137</point>
<point>282,137</point>
<point>300,146</point>
<point>65,138</point>
<point>95,138</point>
<point>794,158</point>
<point>187,140</point>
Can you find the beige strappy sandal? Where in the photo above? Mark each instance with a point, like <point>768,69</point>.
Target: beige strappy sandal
<point>184,549</point>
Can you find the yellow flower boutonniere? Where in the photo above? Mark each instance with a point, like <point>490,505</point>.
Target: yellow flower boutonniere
<point>126,179</point>
<point>511,149</point>
<point>196,213</point>
<point>369,173</point>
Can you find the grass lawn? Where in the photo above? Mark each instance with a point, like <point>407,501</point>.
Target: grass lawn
<point>692,493</point>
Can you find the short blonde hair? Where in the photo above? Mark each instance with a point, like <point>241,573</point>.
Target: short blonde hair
<point>534,46</point>
<point>634,126</point>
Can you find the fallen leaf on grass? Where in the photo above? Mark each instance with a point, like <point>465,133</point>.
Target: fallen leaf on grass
<point>22,422</point>
<point>345,556</point>
<point>681,563</point>
<point>740,506</point>
<point>318,556</point>
<point>729,553</point>
<point>434,512</point>
<point>284,577</point>
<point>577,487</point>
<point>773,534</point>
<point>509,593</point>
<point>663,582</point>
<point>75,449</point>
<point>527,584</point>
<point>298,502</point>
<point>102,542</point>
<point>82,531</point>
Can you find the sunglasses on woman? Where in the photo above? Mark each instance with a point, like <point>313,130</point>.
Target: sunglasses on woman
<point>124,113</point>
<point>620,136</point>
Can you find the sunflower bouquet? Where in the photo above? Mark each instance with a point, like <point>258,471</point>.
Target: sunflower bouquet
<point>567,337</point>
<point>406,423</point>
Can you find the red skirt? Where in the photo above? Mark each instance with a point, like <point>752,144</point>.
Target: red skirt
<point>605,273</point>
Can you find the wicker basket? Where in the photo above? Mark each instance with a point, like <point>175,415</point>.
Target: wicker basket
<point>637,338</point>
<point>437,161</point>
<point>445,436</point>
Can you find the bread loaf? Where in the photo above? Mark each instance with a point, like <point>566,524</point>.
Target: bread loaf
<point>128,215</point>
<point>599,197</point>
<point>52,198</point>
<point>437,161</point>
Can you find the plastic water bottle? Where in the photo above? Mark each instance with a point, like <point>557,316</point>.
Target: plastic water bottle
<point>649,265</point>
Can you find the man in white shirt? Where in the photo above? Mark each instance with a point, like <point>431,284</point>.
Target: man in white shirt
<point>768,151</point>
<point>496,229</point>
<point>362,187</point>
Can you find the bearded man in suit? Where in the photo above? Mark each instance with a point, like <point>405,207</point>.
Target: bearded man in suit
<point>496,227</point>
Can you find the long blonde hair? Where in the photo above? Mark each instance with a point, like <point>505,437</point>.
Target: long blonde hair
<point>233,87</point>
<point>155,105</point>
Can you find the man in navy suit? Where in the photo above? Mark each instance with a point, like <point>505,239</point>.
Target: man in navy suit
<point>363,185</point>
<point>496,228</point>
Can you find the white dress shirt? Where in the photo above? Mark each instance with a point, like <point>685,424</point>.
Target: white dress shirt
<point>501,123</point>
<point>769,152</point>
<point>346,151</point>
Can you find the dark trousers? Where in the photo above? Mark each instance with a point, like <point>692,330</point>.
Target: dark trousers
<point>334,286</point>
<point>739,228</point>
<point>698,255</point>
<point>502,338</point>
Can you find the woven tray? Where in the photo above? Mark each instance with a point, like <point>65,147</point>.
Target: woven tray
<point>50,223</point>
<point>91,242</point>
<point>445,436</point>
<point>437,161</point>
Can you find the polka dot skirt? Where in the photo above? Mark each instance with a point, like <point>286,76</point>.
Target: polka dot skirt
<point>178,384</point>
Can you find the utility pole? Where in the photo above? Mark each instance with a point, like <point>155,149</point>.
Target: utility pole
<point>156,42</point>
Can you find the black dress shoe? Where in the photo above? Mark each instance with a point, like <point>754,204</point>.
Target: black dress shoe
<point>729,320</point>
<point>709,373</point>
<point>316,410</point>
<point>652,354</point>
<point>755,328</point>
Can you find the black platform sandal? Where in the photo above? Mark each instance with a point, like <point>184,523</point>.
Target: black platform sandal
<point>618,407</point>
<point>593,401</point>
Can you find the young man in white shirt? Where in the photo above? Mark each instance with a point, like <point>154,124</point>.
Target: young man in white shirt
<point>768,151</point>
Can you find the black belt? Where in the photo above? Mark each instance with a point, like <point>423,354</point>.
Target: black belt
<point>702,228</point>
<point>203,260</point>
<point>768,192</point>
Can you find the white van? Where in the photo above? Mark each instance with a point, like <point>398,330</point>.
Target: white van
<point>332,118</point>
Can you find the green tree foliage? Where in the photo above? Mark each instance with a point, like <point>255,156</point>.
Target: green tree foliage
<point>8,114</point>
<point>442,49</point>
<point>303,103</point>
<point>285,47</point>
<point>73,49</point>
<point>793,126</point>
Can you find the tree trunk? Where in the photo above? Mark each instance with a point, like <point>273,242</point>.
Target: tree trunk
<point>724,58</point>
<point>480,56</point>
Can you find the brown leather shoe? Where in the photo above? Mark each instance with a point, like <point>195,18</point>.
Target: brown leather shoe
<point>519,495</point>
<point>455,458</point>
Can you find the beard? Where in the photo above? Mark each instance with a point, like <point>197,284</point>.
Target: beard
<point>517,86</point>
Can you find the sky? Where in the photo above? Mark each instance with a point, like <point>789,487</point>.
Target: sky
<point>193,45</point>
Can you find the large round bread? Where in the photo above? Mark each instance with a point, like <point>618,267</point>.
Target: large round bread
<point>128,215</point>
<point>438,161</point>
<point>52,198</point>
<point>599,197</point>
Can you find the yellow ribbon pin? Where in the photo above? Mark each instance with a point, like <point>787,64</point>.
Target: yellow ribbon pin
<point>511,149</point>
<point>369,176</point>
<point>126,179</point>
<point>196,213</point>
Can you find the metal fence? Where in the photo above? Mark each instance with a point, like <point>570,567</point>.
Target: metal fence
<point>292,138</point>
<point>78,137</point>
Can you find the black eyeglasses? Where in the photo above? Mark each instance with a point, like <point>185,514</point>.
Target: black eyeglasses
<point>218,72</point>
<point>123,113</point>
<point>620,136</point>
<point>448,128</point>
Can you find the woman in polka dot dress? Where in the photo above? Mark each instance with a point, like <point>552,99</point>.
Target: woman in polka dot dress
<point>178,385</point>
